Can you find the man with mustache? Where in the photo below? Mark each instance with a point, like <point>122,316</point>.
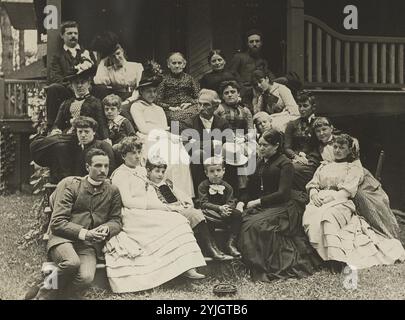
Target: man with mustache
<point>68,61</point>
<point>245,63</point>
<point>86,213</point>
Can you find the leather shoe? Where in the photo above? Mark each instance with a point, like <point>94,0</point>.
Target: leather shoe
<point>193,274</point>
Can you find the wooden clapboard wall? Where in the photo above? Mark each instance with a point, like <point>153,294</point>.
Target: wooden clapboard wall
<point>199,36</point>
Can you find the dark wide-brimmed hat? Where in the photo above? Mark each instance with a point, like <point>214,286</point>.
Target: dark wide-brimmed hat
<point>87,73</point>
<point>151,75</point>
<point>105,44</point>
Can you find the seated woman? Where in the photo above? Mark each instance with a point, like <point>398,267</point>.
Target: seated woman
<point>114,73</point>
<point>240,120</point>
<point>219,73</point>
<point>178,202</point>
<point>151,122</point>
<point>156,245</point>
<point>119,127</point>
<point>83,104</point>
<point>272,241</point>
<point>338,234</point>
<point>178,92</point>
<point>371,201</point>
<point>300,144</point>
<point>275,99</point>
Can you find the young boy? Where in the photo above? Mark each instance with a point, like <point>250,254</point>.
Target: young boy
<point>218,204</point>
<point>179,202</point>
<point>324,131</point>
<point>119,127</point>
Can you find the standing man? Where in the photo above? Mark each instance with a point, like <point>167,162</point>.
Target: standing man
<point>86,213</point>
<point>245,63</point>
<point>71,59</point>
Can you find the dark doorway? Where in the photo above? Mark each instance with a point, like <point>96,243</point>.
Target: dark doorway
<point>231,19</point>
<point>148,29</point>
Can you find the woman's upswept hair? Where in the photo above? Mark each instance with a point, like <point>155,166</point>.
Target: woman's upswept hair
<point>273,137</point>
<point>352,143</point>
<point>320,122</point>
<point>305,95</point>
<point>171,54</point>
<point>215,52</point>
<point>226,84</point>
<point>128,144</point>
<point>155,162</point>
<point>259,74</point>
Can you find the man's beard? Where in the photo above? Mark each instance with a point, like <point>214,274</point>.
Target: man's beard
<point>255,52</point>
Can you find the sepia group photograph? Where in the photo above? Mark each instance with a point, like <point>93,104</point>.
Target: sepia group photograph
<point>196,156</point>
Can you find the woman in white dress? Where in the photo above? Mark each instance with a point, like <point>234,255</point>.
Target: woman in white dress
<point>115,75</point>
<point>339,235</point>
<point>155,245</point>
<point>151,122</point>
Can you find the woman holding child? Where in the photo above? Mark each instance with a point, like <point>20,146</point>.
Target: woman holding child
<point>157,243</point>
<point>272,242</point>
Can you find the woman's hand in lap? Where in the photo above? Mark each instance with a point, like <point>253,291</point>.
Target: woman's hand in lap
<point>253,204</point>
<point>328,199</point>
<point>316,200</point>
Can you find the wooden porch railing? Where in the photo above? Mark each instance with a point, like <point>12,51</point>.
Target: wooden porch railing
<point>14,97</point>
<point>334,60</point>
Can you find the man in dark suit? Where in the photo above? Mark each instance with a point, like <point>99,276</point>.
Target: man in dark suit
<point>86,213</point>
<point>205,134</point>
<point>70,60</point>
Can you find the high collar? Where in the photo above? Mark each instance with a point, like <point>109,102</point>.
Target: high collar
<point>93,182</point>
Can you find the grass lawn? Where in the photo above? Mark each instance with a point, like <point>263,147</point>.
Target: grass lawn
<point>20,264</point>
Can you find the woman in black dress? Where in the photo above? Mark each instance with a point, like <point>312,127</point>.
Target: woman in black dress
<point>219,73</point>
<point>272,241</point>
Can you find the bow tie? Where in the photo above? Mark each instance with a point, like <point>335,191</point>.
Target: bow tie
<point>82,98</point>
<point>216,189</point>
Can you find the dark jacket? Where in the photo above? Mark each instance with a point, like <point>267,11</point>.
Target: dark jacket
<point>63,64</point>
<point>92,107</point>
<point>77,205</point>
<point>272,182</point>
<point>197,125</point>
<point>243,64</point>
<point>79,156</point>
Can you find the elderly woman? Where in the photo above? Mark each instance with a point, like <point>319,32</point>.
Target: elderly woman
<point>219,73</point>
<point>371,201</point>
<point>262,121</point>
<point>114,73</point>
<point>275,99</point>
<point>272,242</point>
<point>300,144</point>
<point>156,244</point>
<point>178,92</point>
<point>151,122</point>
<point>338,234</point>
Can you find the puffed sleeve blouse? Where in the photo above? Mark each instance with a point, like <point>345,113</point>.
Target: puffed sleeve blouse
<point>337,176</point>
